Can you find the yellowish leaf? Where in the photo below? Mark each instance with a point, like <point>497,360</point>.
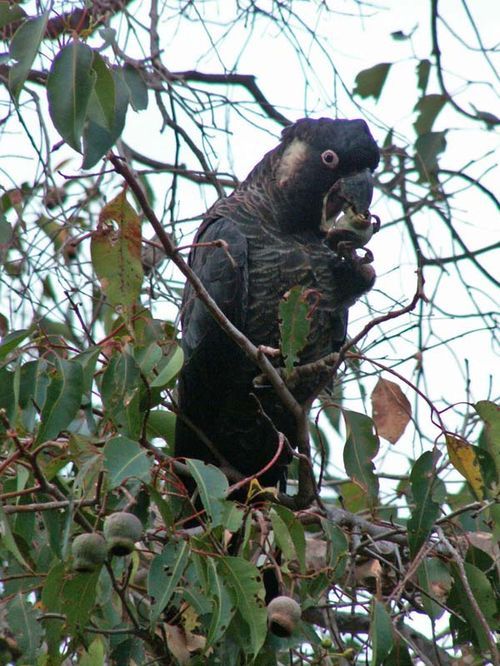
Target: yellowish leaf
<point>190,619</point>
<point>116,253</point>
<point>255,489</point>
<point>464,459</point>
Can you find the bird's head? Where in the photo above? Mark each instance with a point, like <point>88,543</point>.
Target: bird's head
<point>324,164</point>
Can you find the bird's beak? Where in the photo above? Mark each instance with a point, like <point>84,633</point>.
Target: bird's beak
<point>352,192</point>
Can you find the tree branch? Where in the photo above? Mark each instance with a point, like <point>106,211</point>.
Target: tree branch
<point>245,80</point>
<point>436,51</point>
<point>77,20</point>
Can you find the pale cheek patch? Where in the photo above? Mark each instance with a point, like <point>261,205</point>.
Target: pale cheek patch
<point>291,161</point>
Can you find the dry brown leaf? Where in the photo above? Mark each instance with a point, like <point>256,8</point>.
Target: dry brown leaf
<point>391,410</point>
<point>316,552</point>
<point>181,643</point>
<point>370,569</point>
<point>177,644</point>
<point>439,590</point>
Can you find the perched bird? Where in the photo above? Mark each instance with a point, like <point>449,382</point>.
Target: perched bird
<point>271,226</point>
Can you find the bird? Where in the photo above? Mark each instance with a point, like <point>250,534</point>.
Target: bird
<point>250,250</point>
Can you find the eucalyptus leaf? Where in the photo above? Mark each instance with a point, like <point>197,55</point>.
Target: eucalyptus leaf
<point>124,459</point>
<point>70,84</point>
<point>23,48</point>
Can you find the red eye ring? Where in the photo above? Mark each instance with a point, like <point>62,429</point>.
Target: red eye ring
<point>330,158</point>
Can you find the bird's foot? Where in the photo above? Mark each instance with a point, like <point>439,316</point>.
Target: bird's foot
<point>272,352</point>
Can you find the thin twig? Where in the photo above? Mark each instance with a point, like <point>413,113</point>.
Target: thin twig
<point>457,558</point>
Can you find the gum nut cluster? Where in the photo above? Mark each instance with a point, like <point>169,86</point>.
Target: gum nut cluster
<point>283,616</point>
<point>121,531</point>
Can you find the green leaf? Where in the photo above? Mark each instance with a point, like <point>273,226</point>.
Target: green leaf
<point>485,598</point>
<point>337,548</point>
<point>148,358</point>
<point>103,94</point>
<point>10,14</point>
<point>12,340</point>
<point>295,324</point>
<point>212,486</point>
<point>69,87</point>
<point>435,579</point>
<point>120,392</point>
<point>54,524</point>
<point>8,541</point>
<point>88,361</point>
<point>353,497</point>
<point>33,383</point>
<point>137,88</point>
<point>360,449</point>
<point>289,535</point>
<point>52,602</point>
<point>381,633</point>
<point>426,510</point>
<point>94,655</point>
<point>223,607</point>
<point>23,48</point>
<point>369,82</point>
<point>6,238</point>
<point>7,395</point>
<point>232,515</point>
<point>63,400</point>
<point>428,107</point>
<point>490,119</point>
<point>165,573</point>
<point>427,148</point>
<point>171,369</point>
<point>129,651</point>
<point>116,252</point>
<point>161,424</point>
<point>399,656</point>
<point>399,36</point>
<point>331,408</point>
<point>490,437</point>
<point>423,70</point>
<point>100,136</point>
<point>23,623</point>
<point>163,506</point>
<point>247,589</point>
<point>124,458</point>
<point>81,587</point>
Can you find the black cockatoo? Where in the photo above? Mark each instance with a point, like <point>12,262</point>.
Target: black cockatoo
<point>272,228</point>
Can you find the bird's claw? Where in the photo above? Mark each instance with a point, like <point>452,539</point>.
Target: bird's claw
<point>272,352</point>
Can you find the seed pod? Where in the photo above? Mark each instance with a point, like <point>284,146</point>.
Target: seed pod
<point>89,552</point>
<point>350,231</point>
<point>283,615</point>
<point>121,531</point>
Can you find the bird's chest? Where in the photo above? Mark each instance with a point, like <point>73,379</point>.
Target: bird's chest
<point>275,266</point>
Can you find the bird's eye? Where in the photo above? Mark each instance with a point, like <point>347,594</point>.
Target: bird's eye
<point>330,158</point>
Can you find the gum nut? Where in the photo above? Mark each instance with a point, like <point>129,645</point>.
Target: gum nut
<point>89,551</point>
<point>283,615</point>
<point>121,531</point>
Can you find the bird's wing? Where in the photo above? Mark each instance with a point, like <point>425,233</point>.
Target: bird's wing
<point>224,273</point>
